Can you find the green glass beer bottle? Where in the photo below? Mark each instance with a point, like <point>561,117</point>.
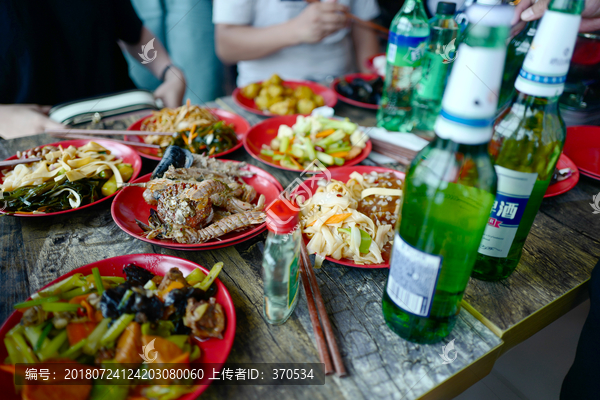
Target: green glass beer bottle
<point>449,189</point>
<point>515,55</point>
<point>426,100</point>
<point>406,43</point>
<point>527,142</point>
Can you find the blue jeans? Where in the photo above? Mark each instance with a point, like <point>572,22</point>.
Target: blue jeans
<point>186,30</point>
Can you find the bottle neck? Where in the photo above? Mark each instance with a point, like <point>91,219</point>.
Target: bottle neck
<point>574,7</point>
<point>536,102</point>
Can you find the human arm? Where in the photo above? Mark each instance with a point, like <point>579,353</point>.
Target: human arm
<point>366,45</point>
<point>236,43</point>
<point>527,10</point>
<point>19,120</point>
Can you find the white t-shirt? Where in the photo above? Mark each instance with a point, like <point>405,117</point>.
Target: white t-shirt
<point>332,56</point>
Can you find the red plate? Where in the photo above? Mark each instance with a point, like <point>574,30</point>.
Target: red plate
<point>130,205</point>
<point>343,174</point>
<point>213,350</point>
<point>264,132</point>
<point>217,245</point>
<point>583,147</point>
<point>240,126</point>
<point>126,153</point>
<point>567,184</point>
<point>369,63</point>
<point>248,104</point>
<point>350,78</point>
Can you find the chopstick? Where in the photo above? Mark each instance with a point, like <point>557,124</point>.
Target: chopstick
<point>314,319</point>
<point>400,154</point>
<point>358,21</point>
<point>333,348</point>
<point>128,143</point>
<point>10,163</point>
<point>109,132</point>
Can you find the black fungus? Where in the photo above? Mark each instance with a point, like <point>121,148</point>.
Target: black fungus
<point>137,276</point>
<point>147,309</point>
<point>110,302</point>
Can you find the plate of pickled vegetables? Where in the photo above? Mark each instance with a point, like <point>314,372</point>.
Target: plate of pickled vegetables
<point>140,312</point>
<point>68,176</point>
<point>293,142</point>
<point>349,215</point>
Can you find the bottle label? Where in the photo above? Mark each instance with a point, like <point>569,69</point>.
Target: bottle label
<point>433,77</point>
<point>514,189</point>
<point>546,65</point>
<point>405,51</point>
<point>293,282</point>
<point>412,279</point>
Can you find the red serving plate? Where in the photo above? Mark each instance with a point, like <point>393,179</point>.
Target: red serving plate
<point>129,205</point>
<point>350,78</point>
<point>567,184</point>
<point>369,63</point>
<point>126,153</point>
<point>240,126</point>
<point>583,147</point>
<point>214,351</point>
<point>264,132</point>
<point>310,186</point>
<point>248,104</point>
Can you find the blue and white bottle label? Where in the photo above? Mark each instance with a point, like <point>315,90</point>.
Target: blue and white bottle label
<point>413,277</point>
<point>514,190</point>
<point>547,62</point>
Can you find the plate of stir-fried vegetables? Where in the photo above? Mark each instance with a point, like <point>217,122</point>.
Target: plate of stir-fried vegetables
<point>104,315</point>
<point>71,175</point>
<point>201,130</point>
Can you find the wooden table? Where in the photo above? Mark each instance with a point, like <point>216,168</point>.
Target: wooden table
<point>381,365</point>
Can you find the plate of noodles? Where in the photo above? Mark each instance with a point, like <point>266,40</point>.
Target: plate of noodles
<point>71,175</point>
<point>201,130</point>
<point>349,215</point>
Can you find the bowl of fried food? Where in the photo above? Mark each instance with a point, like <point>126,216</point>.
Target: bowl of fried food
<point>278,97</point>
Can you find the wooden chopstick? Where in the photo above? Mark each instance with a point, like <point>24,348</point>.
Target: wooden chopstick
<point>128,143</point>
<point>333,348</point>
<point>314,319</point>
<point>109,132</point>
<point>367,24</point>
<point>10,163</point>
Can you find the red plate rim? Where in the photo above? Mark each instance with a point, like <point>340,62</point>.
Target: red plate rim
<point>349,78</point>
<point>128,152</point>
<point>567,184</point>
<point>151,262</point>
<point>360,157</point>
<point>218,245</point>
<point>345,172</point>
<point>219,112</point>
<point>582,137</point>
<point>202,246</point>
<point>319,89</point>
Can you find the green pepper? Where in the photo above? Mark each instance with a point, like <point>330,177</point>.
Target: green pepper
<point>126,171</point>
<point>179,340</point>
<point>195,276</point>
<point>212,275</point>
<point>113,333</point>
<point>365,242</point>
<point>105,173</point>
<point>110,186</point>
<point>159,328</point>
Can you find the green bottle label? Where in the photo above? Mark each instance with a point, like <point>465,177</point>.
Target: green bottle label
<point>434,70</point>
<point>413,277</point>
<point>405,51</point>
<point>293,282</point>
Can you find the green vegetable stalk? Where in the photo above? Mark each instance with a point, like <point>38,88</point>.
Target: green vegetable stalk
<point>51,349</point>
<point>113,333</point>
<point>93,340</point>
<point>212,275</point>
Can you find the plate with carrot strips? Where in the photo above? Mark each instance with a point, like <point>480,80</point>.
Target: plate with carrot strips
<point>141,312</point>
<point>294,142</point>
<point>201,130</point>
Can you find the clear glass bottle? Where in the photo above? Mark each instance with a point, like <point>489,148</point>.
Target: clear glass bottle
<point>280,262</point>
<point>406,44</point>
<point>449,190</point>
<point>426,101</point>
<point>527,142</point>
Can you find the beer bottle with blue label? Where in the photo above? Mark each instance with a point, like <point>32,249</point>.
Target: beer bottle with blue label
<point>449,189</point>
<point>528,139</point>
<point>406,44</point>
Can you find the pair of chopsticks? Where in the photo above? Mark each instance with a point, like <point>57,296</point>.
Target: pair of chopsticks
<point>402,155</point>
<point>87,134</point>
<point>361,22</point>
<point>11,163</point>
<point>326,344</point>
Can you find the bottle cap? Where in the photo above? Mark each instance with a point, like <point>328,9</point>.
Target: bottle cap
<point>282,216</point>
<point>446,8</point>
<point>490,13</point>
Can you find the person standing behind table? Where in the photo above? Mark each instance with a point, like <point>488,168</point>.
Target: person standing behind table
<point>56,51</point>
<point>185,28</point>
<point>293,38</point>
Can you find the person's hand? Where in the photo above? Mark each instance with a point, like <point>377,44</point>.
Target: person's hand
<point>172,90</point>
<point>20,120</point>
<point>527,10</point>
<point>319,20</point>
